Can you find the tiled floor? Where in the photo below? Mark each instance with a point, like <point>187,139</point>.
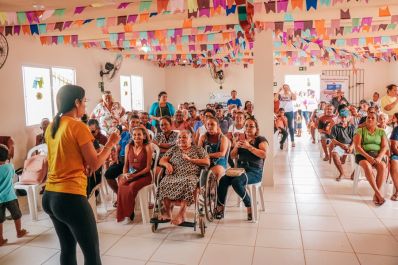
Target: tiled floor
<point>309,219</point>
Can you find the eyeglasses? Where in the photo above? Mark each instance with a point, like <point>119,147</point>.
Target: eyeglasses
<point>250,126</point>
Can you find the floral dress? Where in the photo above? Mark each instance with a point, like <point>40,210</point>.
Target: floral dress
<point>181,184</point>
<point>162,139</point>
<point>108,119</point>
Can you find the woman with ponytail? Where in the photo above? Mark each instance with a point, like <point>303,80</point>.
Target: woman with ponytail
<point>70,150</point>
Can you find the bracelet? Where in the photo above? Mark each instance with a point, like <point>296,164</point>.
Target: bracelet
<point>107,147</point>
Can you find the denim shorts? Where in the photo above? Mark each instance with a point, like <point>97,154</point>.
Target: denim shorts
<point>394,157</point>
<point>222,161</point>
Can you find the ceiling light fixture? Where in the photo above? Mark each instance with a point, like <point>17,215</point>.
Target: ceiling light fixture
<point>38,7</point>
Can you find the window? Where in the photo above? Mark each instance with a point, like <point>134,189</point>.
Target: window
<point>132,92</point>
<point>41,85</point>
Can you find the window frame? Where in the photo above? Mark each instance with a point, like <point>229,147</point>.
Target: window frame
<point>52,96</point>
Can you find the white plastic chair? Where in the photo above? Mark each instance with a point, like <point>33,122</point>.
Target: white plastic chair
<point>252,190</point>
<point>33,190</point>
<point>145,193</point>
<point>360,175</point>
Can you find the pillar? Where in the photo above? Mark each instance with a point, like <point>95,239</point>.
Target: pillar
<point>263,97</point>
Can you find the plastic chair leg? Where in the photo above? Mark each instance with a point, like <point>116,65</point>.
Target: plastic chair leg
<point>260,191</point>
<point>357,175</point>
<point>254,203</point>
<point>143,199</point>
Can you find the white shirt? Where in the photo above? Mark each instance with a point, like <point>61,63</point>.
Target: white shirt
<point>286,102</point>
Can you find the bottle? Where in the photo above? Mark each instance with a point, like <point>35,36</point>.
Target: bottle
<point>132,170</point>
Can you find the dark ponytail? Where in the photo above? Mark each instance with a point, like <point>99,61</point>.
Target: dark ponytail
<point>66,98</point>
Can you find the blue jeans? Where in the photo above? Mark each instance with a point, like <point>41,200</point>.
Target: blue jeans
<point>254,175</point>
<point>290,120</point>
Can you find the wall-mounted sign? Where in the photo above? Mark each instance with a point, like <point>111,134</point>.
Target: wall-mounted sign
<point>302,68</point>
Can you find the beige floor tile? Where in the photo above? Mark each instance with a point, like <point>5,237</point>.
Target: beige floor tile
<point>367,259</point>
<point>329,241</point>
<point>216,254</point>
<point>234,236</point>
<point>374,244</point>
<point>279,221</point>
<point>28,255</point>
<point>144,231</point>
<point>391,224</point>
<point>108,260</point>
<point>280,208</point>
<point>320,223</point>
<point>315,257</point>
<point>179,252</point>
<point>33,232</point>
<point>7,248</point>
<point>363,225</point>
<point>48,239</point>
<point>273,238</point>
<point>308,189</point>
<point>113,227</point>
<point>274,256</point>
<point>313,209</point>
<point>312,198</point>
<point>143,248</point>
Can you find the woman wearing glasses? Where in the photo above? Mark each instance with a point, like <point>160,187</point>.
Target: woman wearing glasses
<point>251,150</point>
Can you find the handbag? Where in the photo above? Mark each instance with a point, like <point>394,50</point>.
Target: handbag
<point>235,172</point>
<point>35,170</point>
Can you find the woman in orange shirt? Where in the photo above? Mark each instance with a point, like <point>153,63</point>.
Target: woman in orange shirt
<point>70,150</point>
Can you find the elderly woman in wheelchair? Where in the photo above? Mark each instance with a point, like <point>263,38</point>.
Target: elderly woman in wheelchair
<point>216,144</point>
<point>179,186</point>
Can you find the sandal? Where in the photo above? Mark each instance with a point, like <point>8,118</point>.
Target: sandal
<point>219,215</point>
<point>249,217</point>
<point>394,197</point>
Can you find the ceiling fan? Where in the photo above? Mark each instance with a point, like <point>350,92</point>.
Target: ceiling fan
<point>217,74</point>
<point>3,50</point>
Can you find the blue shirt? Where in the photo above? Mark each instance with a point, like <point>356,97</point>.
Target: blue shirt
<point>7,192</point>
<point>394,134</point>
<point>124,140</point>
<point>234,101</point>
<point>197,125</point>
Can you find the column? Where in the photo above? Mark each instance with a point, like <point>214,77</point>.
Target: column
<point>263,97</point>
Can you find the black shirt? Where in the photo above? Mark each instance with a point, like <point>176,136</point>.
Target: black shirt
<point>343,135</point>
<point>246,156</point>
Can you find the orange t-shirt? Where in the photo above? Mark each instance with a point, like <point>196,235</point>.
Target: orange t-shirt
<point>65,160</point>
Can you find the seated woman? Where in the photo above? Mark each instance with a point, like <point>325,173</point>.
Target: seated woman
<point>251,153</point>
<point>137,173</point>
<point>394,161</point>
<point>216,145</point>
<point>43,126</point>
<point>117,163</point>
<point>383,124</point>
<point>182,163</point>
<point>371,146</point>
<point>179,122</point>
<point>166,138</point>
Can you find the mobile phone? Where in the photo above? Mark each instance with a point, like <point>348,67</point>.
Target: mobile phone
<point>242,137</point>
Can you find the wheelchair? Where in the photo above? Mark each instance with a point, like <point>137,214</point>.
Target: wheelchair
<point>204,206</point>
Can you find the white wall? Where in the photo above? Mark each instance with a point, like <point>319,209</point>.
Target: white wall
<point>187,84</point>
<point>377,75</point>
<point>86,62</point>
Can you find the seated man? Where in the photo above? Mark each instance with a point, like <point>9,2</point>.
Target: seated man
<point>280,124</point>
<point>342,135</point>
<point>223,121</point>
<point>43,126</point>
<point>325,125</point>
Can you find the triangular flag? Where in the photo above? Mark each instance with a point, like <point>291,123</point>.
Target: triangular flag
<point>384,12</point>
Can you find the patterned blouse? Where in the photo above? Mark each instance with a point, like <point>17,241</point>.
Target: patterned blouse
<point>108,119</point>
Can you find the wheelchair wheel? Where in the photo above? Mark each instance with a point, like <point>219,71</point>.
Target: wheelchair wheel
<point>210,196</point>
<point>154,227</point>
<point>202,226</point>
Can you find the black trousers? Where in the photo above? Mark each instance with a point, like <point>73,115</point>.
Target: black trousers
<point>74,223</point>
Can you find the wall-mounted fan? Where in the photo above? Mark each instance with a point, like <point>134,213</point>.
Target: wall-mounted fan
<point>3,50</point>
<point>216,74</point>
<point>110,70</point>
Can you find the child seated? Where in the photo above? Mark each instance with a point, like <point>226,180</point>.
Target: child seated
<point>8,199</point>
<point>280,124</point>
